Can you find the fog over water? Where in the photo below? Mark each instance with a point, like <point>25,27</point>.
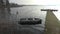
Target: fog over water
<point>30,12</point>
<point>34,12</point>
<point>46,3</point>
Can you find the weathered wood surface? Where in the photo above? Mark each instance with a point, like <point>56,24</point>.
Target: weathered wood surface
<point>52,24</point>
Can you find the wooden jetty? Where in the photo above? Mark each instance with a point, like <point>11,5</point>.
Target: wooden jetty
<point>52,23</point>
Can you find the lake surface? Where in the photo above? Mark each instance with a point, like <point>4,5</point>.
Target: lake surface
<point>26,12</point>
<point>32,12</point>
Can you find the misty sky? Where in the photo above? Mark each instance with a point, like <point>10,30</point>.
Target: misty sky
<point>36,2</point>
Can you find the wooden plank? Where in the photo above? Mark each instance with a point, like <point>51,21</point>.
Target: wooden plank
<point>49,10</point>
<point>52,24</point>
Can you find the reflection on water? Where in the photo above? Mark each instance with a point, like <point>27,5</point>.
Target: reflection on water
<point>30,12</point>
<point>25,12</point>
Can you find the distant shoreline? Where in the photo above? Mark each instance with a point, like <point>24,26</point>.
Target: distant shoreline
<point>22,6</point>
<point>16,6</point>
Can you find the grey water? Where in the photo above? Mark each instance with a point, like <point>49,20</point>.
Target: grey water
<point>31,12</point>
<point>11,20</point>
<point>25,12</point>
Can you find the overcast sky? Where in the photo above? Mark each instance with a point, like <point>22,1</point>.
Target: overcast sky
<point>36,2</point>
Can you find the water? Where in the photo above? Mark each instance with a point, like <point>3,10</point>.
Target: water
<point>26,12</point>
<point>33,12</point>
